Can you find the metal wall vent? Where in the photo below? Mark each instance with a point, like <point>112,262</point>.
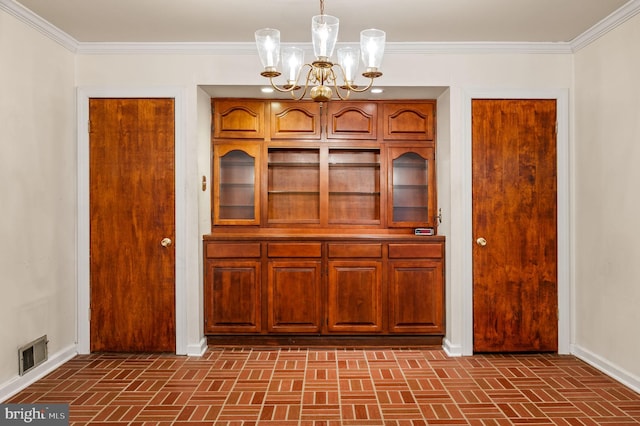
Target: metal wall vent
<point>32,354</point>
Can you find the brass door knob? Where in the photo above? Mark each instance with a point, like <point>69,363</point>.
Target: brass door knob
<point>481,242</point>
<point>166,242</point>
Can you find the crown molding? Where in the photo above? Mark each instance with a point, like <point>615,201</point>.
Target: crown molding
<point>617,18</point>
<point>36,22</point>
<point>612,21</point>
<point>414,48</point>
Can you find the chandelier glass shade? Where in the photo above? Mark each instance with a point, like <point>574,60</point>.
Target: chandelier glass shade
<point>322,76</point>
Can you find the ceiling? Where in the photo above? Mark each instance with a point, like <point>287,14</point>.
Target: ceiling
<point>230,21</point>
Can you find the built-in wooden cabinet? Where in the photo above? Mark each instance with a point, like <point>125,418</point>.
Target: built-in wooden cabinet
<point>314,207</point>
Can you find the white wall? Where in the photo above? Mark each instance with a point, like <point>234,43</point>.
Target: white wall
<point>37,192</point>
<point>607,202</point>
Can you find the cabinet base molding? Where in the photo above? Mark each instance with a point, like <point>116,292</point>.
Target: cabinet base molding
<point>428,342</point>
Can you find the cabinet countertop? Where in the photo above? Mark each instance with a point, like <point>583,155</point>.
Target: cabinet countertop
<point>286,235</point>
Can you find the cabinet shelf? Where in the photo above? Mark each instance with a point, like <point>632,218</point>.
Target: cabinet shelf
<point>231,185</point>
<point>355,165</point>
<point>376,193</point>
<point>292,165</point>
<point>293,192</point>
<point>236,163</point>
<point>420,186</point>
<point>410,166</point>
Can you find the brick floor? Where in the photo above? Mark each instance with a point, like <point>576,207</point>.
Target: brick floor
<point>332,387</point>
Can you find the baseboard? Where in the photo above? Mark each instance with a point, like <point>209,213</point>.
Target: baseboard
<point>18,383</point>
<point>607,367</point>
<point>197,349</point>
<point>451,349</point>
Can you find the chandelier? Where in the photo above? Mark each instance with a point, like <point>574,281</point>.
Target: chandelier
<point>322,73</point>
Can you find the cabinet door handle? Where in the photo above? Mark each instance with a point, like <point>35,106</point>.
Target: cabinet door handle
<point>481,242</point>
<point>166,242</point>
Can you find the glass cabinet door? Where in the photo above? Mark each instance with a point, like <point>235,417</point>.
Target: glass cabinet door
<point>412,187</point>
<point>235,195</point>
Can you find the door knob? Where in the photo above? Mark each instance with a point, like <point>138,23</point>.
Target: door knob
<point>166,242</point>
<point>481,242</point>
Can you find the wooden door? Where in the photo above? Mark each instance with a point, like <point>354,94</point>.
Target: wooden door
<point>515,297</point>
<point>132,212</point>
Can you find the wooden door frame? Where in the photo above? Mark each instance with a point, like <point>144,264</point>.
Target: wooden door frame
<point>563,195</point>
<point>83,215</point>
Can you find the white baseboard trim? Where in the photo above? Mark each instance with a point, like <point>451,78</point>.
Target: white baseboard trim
<point>607,367</point>
<point>197,349</point>
<point>450,349</point>
<point>18,383</point>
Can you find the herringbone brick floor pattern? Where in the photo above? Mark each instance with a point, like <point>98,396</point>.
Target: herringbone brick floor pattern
<point>331,387</point>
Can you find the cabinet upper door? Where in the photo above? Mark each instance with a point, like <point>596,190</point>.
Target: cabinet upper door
<point>295,120</point>
<point>409,121</point>
<point>238,119</point>
<point>352,120</point>
<point>412,194</point>
<point>236,183</point>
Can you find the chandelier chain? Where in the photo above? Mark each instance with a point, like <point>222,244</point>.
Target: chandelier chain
<point>321,7</point>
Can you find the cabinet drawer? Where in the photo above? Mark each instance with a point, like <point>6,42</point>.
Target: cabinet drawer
<point>355,250</point>
<point>294,250</point>
<point>414,251</point>
<point>222,250</point>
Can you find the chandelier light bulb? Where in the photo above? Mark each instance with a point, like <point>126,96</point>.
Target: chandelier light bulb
<point>324,31</point>
<point>268,42</point>
<point>348,58</point>
<point>372,44</point>
<point>292,60</point>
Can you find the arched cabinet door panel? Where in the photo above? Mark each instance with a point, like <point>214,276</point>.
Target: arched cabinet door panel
<point>352,120</point>
<point>408,121</point>
<point>236,183</point>
<point>238,120</point>
<point>295,120</point>
<point>412,190</point>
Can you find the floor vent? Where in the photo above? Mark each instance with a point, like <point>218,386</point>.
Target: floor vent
<point>32,354</point>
